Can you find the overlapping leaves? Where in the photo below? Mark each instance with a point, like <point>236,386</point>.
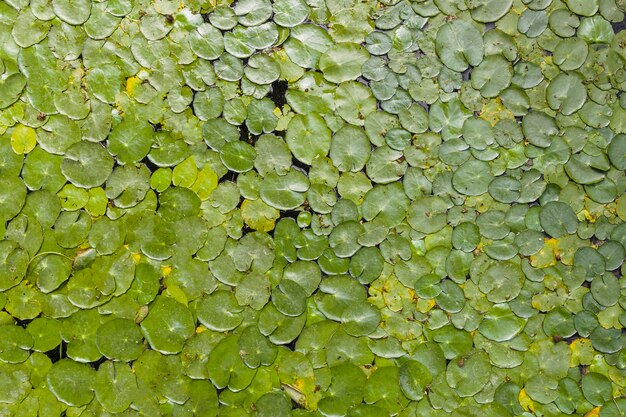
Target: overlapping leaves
<point>290,207</point>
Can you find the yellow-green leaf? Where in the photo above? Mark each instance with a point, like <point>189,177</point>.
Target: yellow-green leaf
<point>23,139</point>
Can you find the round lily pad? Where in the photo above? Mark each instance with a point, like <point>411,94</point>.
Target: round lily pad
<point>71,382</point>
<point>343,62</point>
<point>168,325</point>
<point>308,137</point>
<point>459,44</point>
<point>489,10</point>
<point>558,219</point>
<point>466,237</point>
<point>596,388</point>
<point>12,196</point>
<point>115,386</point>
<point>15,343</point>
<point>284,192</point>
<point>289,298</point>
<point>428,214</point>
<point>130,141</point>
<point>87,164</point>
<point>13,265</point>
<point>502,282</point>
<point>617,151</point>
<point>472,178</point>
<point>500,324</point>
<point>361,319</point>
<point>238,156</point>
<point>50,271</point>
<point>290,13</point>
<point>468,375</point>
<point>219,311</point>
<point>120,339</point>
<point>566,93</point>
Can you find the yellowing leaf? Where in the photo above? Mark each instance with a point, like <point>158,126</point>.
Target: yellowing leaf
<point>166,270</point>
<point>259,216</point>
<point>23,139</point>
<point>73,198</point>
<point>98,202</point>
<point>303,391</point>
<point>590,217</point>
<point>546,256</point>
<point>177,294</point>
<point>525,401</point>
<point>185,173</point>
<point>424,306</point>
<point>206,182</point>
<point>582,352</point>
<point>131,84</point>
<point>594,412</point>
<point>609,318</point>
<point>493,111</point>
<point>288,70</point>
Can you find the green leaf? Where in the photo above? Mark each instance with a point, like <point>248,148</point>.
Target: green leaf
<point>566,93</point>
<point>219,311</point>
<point>343,62</point>
<point>13,265</point>
<point>468,375</point>
<point>558,219</point>
<point>472,178</point>
<point>23,139</point>
<point>414,378</point>
<point>290,13</point>
<point>168,325</point>
<point>12,196</point>
<point>459,45</point>
<point>489,10</point>
<point>284,192</point>
<point>501,282</point>
<point>130,141</point>
<point>71,382</point>
<point>255,349</point>
<point>120,339</point>
<point>10,89</point>
<point>86,154</point>
<point>596,388</point>
<point>15,343</point>
<point>582,7</point>
<point>308,137</point>
<point>500,324</point>
<point>115,386</point>
<point>493,75</point>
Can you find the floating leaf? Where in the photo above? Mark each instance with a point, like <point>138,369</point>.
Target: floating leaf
<point>168,325</point>
<point>71,382</point>
<point>219,311</point>
<point>23,139</point>
<point>87,165</point>
<point>120,339</point>
<point>284,192</point>
<point>343,62</point>
<point>115,386</point>
<point>15,343</point>
<point>308,137</point>
<point>459,44</point>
